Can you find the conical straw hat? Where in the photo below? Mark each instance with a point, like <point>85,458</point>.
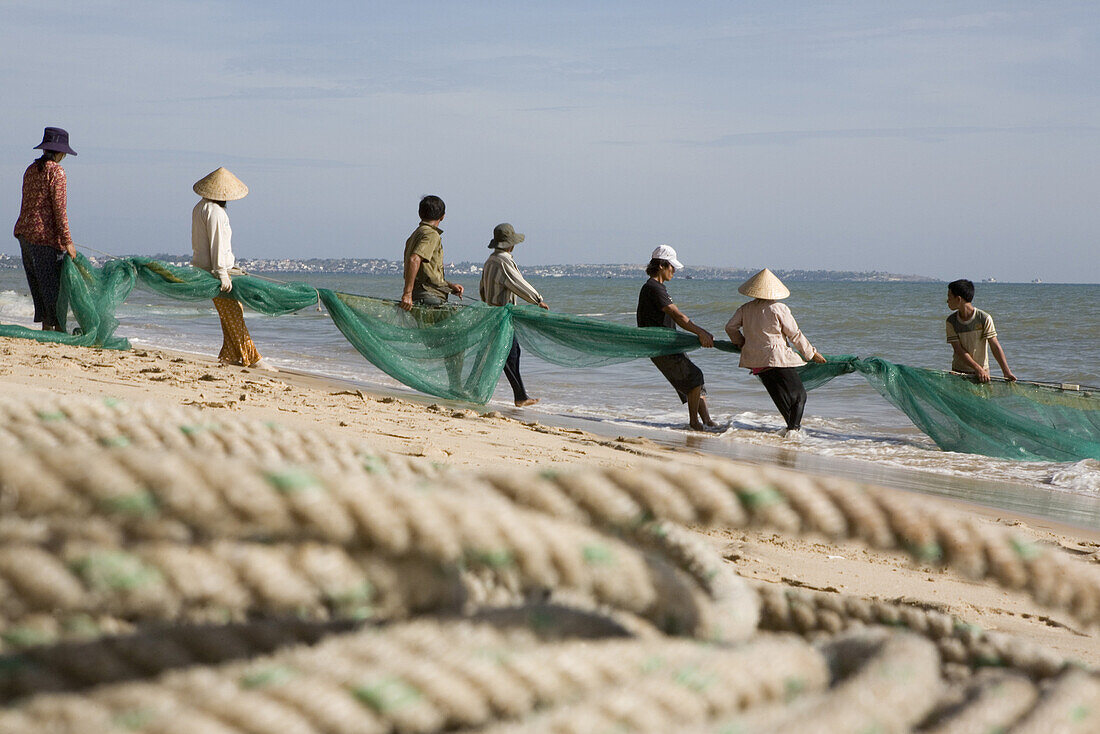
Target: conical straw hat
<point>764,285</point>
<point>220,185</point>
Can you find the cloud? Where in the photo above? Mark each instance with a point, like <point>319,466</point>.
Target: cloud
<point>921,134</point>
<point>930,25</point>
<point>588,106</point>
<point>283,93</point>
<point>123,156</point>
<point>559,108</point>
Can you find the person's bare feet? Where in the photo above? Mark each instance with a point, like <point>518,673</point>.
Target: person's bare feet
<point>263,364</point>
<point>525,403</point>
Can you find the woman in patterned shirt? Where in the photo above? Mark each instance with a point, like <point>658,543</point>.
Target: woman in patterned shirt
<point>43,227</point>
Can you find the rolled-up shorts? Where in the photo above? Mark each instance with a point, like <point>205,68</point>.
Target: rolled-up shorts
<point>681,373</point>
<point>428,299</point>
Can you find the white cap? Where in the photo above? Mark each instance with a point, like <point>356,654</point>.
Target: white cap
<point>664,252</point>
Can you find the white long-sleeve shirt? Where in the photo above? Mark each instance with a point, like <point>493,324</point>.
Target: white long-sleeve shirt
<point>501,281</point>
<point>211,238</point>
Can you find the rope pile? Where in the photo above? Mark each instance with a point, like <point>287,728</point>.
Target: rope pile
<point>161,571</point>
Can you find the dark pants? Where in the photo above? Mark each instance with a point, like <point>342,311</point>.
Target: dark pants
<point>511,371</point>
<point>43,267</point>
<point>681,373</point>
<point>785,386</point>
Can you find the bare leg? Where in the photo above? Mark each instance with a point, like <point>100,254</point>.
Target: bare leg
<point>704,413</point>
<point>695,397</point>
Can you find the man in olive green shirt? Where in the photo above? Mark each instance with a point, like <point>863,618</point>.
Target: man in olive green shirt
<point>425,283</point>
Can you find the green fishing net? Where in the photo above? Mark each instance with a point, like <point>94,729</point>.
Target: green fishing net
<point>1010,420</point>
<point>449,351</point>
<point>191,284</point>
<point>95,292</point>
<point>457,352</point>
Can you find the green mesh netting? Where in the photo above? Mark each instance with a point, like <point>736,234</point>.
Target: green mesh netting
<point>94,294</point>
<point>191,284</point>
<point>458,352</point>
<point>1010,420</point>
<point>449,351</point>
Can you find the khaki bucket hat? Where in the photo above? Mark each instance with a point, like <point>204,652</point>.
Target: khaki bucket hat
<point>220,185</point>
<point>764,285</point>
<point>505,236</point>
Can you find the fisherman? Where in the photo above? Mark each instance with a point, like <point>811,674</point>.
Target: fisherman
<point>425,283</point>
<point>501,282</point>
<point>761,329</point>
<point>656,309</point>
<point>972,335</point>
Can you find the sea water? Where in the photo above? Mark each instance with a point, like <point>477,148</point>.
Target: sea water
<point>1050,332</point>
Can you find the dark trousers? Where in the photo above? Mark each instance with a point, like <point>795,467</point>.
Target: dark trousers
<point>43,267</point>
<point>785,386</point>
<point>511,371</point>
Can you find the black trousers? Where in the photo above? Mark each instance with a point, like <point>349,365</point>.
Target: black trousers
<point>43,267</point>
<point>511,371</point>
<point>681,373</point>
<point>785,386</point>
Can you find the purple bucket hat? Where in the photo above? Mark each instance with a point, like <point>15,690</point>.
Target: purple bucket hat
<point>55,139</point>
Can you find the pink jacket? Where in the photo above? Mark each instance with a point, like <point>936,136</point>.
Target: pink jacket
<point>767,325</point>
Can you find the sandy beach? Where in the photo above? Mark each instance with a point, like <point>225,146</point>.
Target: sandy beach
<point>468,439</point>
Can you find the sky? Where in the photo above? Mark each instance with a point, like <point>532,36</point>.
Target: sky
<point>947,139</point>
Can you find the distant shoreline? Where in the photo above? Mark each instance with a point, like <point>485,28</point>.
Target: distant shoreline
<point>377,266</point>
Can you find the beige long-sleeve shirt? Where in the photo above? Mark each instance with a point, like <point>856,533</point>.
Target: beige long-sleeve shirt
<point>501,281</point>
<point>766,326</point>
<point>211,238</point>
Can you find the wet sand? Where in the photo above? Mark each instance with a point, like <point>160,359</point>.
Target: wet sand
<point>433,430</point>
<point>1044,506</point>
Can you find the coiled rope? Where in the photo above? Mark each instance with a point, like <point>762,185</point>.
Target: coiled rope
<point>717,495</point>
<point>148,517</point>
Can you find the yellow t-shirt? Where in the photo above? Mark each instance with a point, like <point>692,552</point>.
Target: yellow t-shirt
<point>974,336</point>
